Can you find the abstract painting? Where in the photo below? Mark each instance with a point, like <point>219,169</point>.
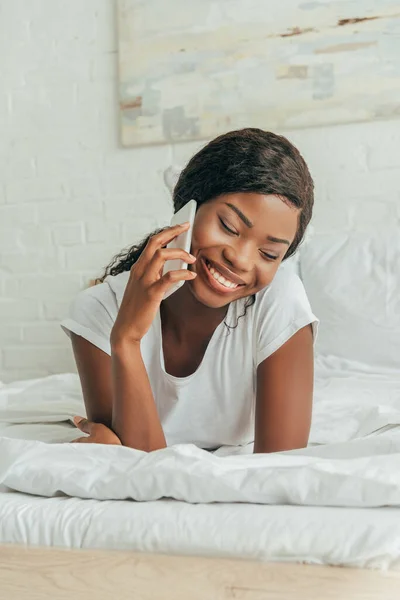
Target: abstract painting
<point>192,70</point>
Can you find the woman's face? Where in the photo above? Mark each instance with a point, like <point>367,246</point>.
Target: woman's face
<point>239,241</point>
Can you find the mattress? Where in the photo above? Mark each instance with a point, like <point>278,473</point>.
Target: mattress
<point>356,422</point>
<point>368,538</point>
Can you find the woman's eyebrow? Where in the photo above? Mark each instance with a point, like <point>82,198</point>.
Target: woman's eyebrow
<point>275,240</point>
<point>247,222</point>
<point>239,213</point>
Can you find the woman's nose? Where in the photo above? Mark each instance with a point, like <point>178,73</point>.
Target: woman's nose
<point>240,258</point>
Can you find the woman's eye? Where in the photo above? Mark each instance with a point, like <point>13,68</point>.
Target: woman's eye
<point>225,226</point>
<point>269,256</point>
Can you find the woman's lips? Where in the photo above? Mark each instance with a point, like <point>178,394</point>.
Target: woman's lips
<point>216,285</point>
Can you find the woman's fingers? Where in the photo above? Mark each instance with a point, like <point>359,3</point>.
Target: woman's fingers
<point>142,297</point>
<point>82,424</point>
<point>81,440</point>
<point>160,258</point>
<point>161,239</point>
<point>167,235</point>
<point>172,277</point>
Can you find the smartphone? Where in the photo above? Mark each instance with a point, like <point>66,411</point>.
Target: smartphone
<point>184,240</point>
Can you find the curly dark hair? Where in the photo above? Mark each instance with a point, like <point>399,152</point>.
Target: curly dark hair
<point>246,160</point>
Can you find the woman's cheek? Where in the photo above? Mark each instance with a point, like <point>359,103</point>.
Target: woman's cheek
<point>207,237</point>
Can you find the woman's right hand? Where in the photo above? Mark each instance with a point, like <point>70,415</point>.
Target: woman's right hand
<point>147,285</point>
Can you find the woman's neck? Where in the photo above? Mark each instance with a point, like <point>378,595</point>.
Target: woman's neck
<point>188,318</point>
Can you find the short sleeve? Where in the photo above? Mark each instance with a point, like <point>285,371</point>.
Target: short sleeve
<point>92,315</point>
<point>281,310</point>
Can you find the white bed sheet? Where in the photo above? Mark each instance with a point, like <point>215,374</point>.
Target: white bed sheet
<point>368,538</point>
<point>348,406</point>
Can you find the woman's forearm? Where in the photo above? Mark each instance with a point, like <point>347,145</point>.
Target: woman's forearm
<point>135,418</point>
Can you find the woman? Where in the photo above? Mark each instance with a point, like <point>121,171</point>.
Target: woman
<point>228,358</point>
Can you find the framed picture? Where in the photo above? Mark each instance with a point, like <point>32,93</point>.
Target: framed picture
<point>192,70</point>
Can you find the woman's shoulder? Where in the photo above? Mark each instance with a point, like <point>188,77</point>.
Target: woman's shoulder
<point>280,311</point>
<point>286,288</point>
<point>285,295</point>
<point>93,311</point>
<point>115,285</point>
<point>283,301</point>
<point>107,295</point>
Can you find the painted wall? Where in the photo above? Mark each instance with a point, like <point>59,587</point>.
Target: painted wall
<point>70,197</point>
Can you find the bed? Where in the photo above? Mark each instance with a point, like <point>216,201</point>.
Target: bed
<point>185,523</point>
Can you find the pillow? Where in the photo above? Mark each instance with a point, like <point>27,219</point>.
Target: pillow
<point>353,284</point>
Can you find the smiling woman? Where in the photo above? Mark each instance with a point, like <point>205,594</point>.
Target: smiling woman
<point>242,240</point>
<point>228,358</point>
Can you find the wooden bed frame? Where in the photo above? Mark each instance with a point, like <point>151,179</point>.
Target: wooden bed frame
<point>62,574</point>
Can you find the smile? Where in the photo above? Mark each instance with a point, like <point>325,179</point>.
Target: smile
<point>217,280</point>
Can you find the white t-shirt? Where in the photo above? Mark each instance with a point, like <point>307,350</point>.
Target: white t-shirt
<point>215,405</point>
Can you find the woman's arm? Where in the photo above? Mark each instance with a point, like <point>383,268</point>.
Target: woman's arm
<point>117,394</point>
<point>135,418</point>
<point>94,368</point>
<point>284,395</point>
<point>117,389</point>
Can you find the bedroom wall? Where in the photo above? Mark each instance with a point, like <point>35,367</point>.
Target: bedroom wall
<point>70,197</point>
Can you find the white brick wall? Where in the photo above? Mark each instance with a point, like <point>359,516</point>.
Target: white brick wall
<point>70,198</point>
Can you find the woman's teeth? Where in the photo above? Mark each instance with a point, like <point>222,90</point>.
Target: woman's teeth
<point>220,278</point>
